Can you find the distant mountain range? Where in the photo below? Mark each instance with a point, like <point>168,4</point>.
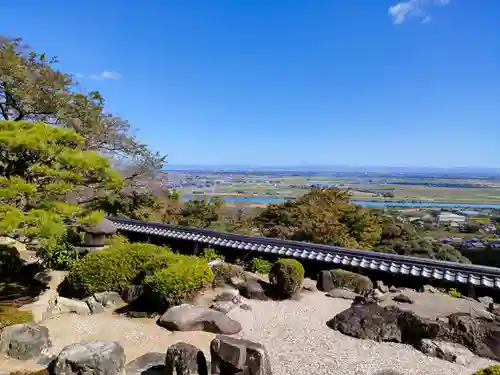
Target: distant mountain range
<point>476,171</point>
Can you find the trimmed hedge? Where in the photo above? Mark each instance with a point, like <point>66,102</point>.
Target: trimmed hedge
<point>351,280</point>
<point>286,275</point>
<point>181,280</point>
<point>491,370</point>
<point>112,269</point>
<point>259,265</point>
<point>224,273</point>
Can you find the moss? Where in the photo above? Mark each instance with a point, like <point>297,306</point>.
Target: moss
<point>259,265</point>
<point>225,273</point>
<point>10,315</point>
<point>286,275</point>
<point>351,280</point>
<point>181,280</point>
<point>491,370</point>
<point>111,269</point>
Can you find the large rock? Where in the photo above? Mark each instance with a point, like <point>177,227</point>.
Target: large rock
<point>94,306</point>
<point>185,359</point>
<point>73,306</point>
<point>109,299</point>
<point>236,356</point>
<point>325,281</point>
<point>24,341</point>
<point>486,301</point>
<point>253,289</point>
<point>479,335</point>
<point>132,293</point>
<point>187,317</point>
<point>91,358</point>
<point>374,322</point>
<point>147,364</point>
<point>447,351</point>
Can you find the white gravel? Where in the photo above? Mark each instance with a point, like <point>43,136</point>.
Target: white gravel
<point>299,342</point>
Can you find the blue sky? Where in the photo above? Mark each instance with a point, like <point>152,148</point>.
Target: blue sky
<point>260,82</point>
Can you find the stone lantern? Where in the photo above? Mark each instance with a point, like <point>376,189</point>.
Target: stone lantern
<point>95,234</point>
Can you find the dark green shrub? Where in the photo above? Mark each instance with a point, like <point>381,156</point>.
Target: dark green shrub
<point>259,265</point>
<point>111,269</point>
<point>350,280</point>
<point>491,370</point>
<point>225,273</point>
<point>286,275</point>
<point>181,280</point>
<point>210,254</point>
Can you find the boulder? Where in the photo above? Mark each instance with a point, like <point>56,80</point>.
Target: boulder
<point>253,289</point>
<point>486,301</point>
<point>429,289</point>
<point>447,351</point>
<point>481,336</point>
<point>185,359</point>
<point>325,281</point>
<point>132,293</point>
<point>90,358</point>
<point>237,356</point>
<point>73,306</point>
<point>309,285</point>
<point>381,286</point>
<point>402,298</point>
<point>342,293</point>
<point>393,289</point>
<point>374,322</point>
<point>109,299</point>
<point>149,363</point>
<point>24,341</point>
<point>94,306</point>
<point>187,317</point>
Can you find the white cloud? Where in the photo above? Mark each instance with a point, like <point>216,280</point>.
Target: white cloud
<point>403,10</point>
<point>106,75</point>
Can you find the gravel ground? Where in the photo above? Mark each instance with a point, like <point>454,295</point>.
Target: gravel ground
<point>300,343</point>
<point>294,333</point>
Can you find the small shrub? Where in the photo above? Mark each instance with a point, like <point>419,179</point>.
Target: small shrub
<point>210,254</point>
<point>181,280</point>
<point>10,315</point>
<point>59,255</point>
<point>111,269</point>
<point>286,275</point>
<point>350,280</point>
<point>491,370</point>
<point>259,265</point>
<point>454,293</point>
<point>225,273</point>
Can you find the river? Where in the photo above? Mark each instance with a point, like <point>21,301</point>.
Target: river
<point>264,200</point>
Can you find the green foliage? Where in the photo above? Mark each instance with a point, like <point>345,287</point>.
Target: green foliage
<point>224,273</point>
<point>134,205</point>
<point>210,254</point>
<point>111,269</point>
<point>321,216</point>
<point>491,370</point>
<point>181,280</point>
<point>351,280</point>
<point>286,275</point>
<point>201,213</point>
<point>39,166</point>
<point>10,315</point>
<point>454,293</point>
<point>117,240</point>
<point>259,265</point>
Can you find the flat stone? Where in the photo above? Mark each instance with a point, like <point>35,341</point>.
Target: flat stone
<point>24,341</point>
<point>246,307</point>
<point>402,298</point>
<point>147,364</point>
<point>224,306</point>
<point>447,351</point>
<point>73,306</point>
<point>187,317</point>
<point>242,356</point>
<point>229,294</point>
<point>91,358</point>
<point>429,289</point>
<point>109,299</point>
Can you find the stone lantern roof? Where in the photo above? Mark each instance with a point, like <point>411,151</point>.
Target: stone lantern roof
<point>104,227</point>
